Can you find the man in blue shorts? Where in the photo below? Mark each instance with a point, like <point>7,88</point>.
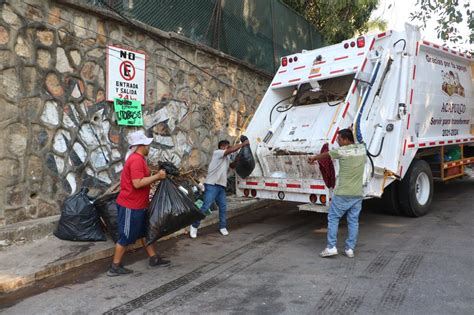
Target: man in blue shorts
<point>132,203</point>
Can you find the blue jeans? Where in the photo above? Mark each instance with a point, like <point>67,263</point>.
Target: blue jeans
<point>215,193</point>
<point>341,205</point>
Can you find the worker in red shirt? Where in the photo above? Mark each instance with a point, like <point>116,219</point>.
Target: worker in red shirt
<point>132,203</point>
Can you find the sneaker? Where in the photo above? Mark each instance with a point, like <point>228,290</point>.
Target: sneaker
<point>224,231</point>
<point>349,253</point>
<point>193,232</point>
<point>157,261</point>
<point>328,252</point>
<point>118,270</point>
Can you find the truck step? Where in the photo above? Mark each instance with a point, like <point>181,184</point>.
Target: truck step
<point>314,208</point>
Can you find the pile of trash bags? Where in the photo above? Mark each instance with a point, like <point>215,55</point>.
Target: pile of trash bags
<point>79,219</point>
<point>172,208</point>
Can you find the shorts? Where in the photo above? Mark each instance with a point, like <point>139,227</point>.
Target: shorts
<point>131,225</point>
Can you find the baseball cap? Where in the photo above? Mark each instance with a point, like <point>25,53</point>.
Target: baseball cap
<point>138,138</point>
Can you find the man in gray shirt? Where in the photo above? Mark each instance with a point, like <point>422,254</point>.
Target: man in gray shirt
<point>216,182</point>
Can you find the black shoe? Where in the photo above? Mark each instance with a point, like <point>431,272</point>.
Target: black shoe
<point>118,271</point>
<point>157,261</point>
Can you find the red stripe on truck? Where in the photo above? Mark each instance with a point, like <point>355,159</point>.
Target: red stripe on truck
<point>336,71</point>
<point>354,88</point>
<point>340,58</point>
<point>316,186</point>
<point>411,145</point>
<point>363,65</point>
<point>277,83</point>
<point>335,135</point>
<point>314,76</point>
<point>411,97</point>
<point>408,122</point>
<point>414,72</point>
<point>294,80</point>
<point>417,46</point>
<point>271,184</point>
<point>293,185</point>
<point>372,44</point>
<point>300,67</point>
<point>405,147</point>
<point>345,110</point>
<point>251,183</point>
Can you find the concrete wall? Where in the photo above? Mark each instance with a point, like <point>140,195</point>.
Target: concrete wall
<point>59,133</point>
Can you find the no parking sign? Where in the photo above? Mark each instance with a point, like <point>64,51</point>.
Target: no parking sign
<point>126,70</point>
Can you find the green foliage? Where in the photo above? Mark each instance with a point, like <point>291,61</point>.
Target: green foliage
<point>337,20</point>
<point>450,15</point>
<point>377,24</point>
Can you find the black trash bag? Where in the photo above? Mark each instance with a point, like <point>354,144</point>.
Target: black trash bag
<point>169,167</point>
<point>169,211</point>
<point>79,219</point>
<point>245,160</point>
<point>107,208</point>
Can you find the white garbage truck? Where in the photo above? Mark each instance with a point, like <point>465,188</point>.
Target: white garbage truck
<point>411,102</point>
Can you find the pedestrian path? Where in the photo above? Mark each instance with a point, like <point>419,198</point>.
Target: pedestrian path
<point>22,265</point>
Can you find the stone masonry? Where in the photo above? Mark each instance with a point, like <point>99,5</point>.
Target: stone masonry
<point>60,134</point>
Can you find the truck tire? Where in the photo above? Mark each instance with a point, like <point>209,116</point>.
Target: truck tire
<point>416,189</point>
<point>390,199</point>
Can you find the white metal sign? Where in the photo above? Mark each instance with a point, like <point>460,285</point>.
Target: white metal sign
<point>126,70</point>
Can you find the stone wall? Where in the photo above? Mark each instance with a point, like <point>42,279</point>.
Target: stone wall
<point>59,133</point>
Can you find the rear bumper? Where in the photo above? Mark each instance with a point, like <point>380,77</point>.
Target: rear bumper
<point>297,190</point>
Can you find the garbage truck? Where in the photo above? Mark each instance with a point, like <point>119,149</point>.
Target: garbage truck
<point>410,101</point>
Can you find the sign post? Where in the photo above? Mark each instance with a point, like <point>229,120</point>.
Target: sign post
<point>126,71</point>
<point>129,113</point>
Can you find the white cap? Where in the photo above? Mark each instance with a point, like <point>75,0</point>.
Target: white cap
<point>138,138</point>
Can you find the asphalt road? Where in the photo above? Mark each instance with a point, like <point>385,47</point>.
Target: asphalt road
<point>269,264</point>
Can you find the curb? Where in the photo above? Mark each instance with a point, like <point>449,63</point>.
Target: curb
<point>19,282</point>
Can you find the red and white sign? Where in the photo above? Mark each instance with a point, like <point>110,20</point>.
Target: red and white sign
<point>126,71</point>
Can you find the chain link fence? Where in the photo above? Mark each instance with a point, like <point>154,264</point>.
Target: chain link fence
<point>255,31</point>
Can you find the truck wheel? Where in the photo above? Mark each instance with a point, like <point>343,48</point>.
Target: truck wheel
<point>390,200</point>
<point>416,189</point>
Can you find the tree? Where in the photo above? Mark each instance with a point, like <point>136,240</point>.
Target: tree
<point>337,20</point>
<point>377,24</point>
<point>450,15</point>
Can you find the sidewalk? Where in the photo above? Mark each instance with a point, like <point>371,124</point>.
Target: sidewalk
<point>24,264</point>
